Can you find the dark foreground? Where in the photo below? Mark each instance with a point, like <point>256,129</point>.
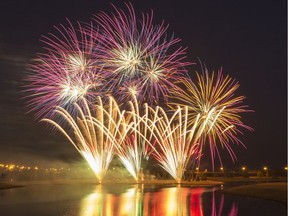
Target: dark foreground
<point>276,191</point>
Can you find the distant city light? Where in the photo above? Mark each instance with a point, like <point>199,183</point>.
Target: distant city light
<point>15,167</point>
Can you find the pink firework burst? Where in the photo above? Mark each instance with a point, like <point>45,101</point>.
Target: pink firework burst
<point>128,91</point>
<point>66,72</point>
<point>136,50</point>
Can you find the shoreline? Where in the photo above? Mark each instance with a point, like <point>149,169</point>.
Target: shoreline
<point>6,185</point>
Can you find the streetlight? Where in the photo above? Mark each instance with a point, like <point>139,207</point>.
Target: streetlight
<point>265,168</point>
<point>222,171</point>
<point>244,171</point>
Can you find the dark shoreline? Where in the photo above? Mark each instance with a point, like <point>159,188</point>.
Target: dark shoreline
<point>4,186</point>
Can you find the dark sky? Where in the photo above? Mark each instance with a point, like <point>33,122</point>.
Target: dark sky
<point>247,38</point>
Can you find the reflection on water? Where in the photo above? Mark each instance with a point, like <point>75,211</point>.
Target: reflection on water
<point>129,200</point>
<point>167,201</point>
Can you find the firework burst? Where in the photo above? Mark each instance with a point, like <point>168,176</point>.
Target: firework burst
<point>213,98</point>
<point>66,72</point>
<point>128,91</point>
<point>136,50</point>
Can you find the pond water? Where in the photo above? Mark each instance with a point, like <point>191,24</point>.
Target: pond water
<point>129,200</point>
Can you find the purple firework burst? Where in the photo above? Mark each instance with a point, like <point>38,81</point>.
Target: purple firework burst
<point>66,72</point>
<point>135,50</point>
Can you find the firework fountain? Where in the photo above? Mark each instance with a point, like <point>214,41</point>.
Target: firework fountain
<point>94,133</point>
<point>115,86</point>
<point>175,144</point>
<point>136,142</point>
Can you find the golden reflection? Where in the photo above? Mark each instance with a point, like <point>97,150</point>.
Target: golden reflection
<point>131,201</point>
<point>170,201</point>
<point>97,203</point>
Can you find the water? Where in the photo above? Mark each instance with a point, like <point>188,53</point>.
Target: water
<point>124,199</point>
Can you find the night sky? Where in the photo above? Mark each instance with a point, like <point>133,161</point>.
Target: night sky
<point>248,39</point>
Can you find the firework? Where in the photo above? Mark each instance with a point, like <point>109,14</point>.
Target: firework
<point>176,145</point>
<point>135,61</point>
<point>134,144</point>
<point>136,50</point>
<point>213,99</point>
<point>100,132</point>
<point>66,72</point>
<point>94,133</point>
<point>128,91</point>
